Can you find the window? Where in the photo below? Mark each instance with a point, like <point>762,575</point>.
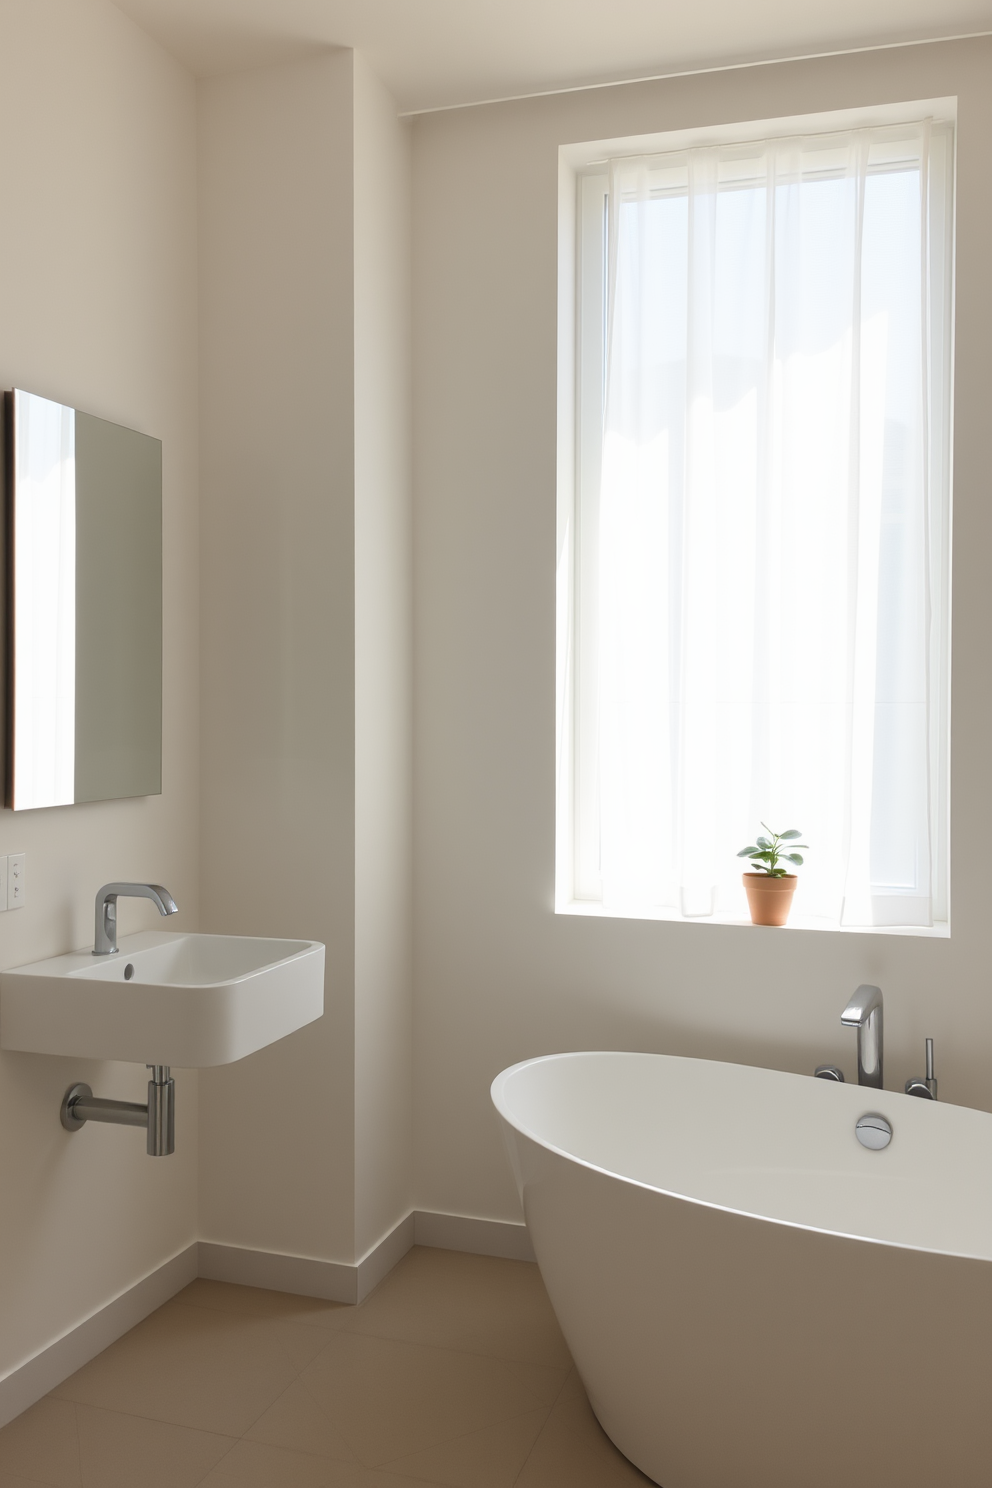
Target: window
<point>754,549</point>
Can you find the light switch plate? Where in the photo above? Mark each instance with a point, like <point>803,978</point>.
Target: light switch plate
<point>16,880</point>
<point>3,883</point>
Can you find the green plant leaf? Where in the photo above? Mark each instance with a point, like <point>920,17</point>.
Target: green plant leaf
<point>788,836</point>
<point>763,841</point>
<point>793,857</point>
<point>747,852</point>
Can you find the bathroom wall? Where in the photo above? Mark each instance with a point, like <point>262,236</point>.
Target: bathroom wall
<point>498,977</point>
<point>383,665</point>
<point>305,511</point>
<point>277,515</point>
<point>98,309</point>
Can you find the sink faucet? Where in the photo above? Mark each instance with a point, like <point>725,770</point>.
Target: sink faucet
<point>105,939</point>
<point>864,1012</point>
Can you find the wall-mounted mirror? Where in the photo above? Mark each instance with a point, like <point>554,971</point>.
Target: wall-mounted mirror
<point>84,607</point>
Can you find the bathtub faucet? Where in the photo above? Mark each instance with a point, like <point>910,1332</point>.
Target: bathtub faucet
<point>864,1012</point>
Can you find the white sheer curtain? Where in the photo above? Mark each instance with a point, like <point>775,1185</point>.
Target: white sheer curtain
<point>765,525</point>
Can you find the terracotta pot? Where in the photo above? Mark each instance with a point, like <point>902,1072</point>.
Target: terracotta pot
<point>769,899</point>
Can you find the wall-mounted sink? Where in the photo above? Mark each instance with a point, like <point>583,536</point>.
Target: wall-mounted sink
<point>164,999</point>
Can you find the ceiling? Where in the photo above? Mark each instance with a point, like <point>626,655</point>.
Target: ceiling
<point>433,53</point>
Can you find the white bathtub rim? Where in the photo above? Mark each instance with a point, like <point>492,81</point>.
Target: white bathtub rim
<point>499,1101</point>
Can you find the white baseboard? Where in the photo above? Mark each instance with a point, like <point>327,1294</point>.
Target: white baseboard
<point>381,1259</point>
<point>492,1237</point>
<point>48,1368</point>
<point>333,1280</point>
<point>336,1281</point>
<point>301,1275</point>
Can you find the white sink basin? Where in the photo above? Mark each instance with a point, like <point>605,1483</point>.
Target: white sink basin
<point>185,1000</point>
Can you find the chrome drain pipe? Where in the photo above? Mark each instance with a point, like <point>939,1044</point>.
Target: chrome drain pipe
<point>158,1117</point>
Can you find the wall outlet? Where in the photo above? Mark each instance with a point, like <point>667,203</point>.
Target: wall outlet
<point>16,880</point>
<point>3,884</point>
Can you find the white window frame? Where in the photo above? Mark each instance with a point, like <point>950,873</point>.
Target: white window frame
<point>583,196</point>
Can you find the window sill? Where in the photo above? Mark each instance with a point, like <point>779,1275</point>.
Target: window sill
<point>940,930</point>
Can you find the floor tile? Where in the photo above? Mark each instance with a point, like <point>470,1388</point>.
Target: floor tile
<point>453,1374</point>
<point>42,1444</point>
<point>295,1420</point>
<point>111,1445</point>
<point>491,1458</point>
<point>224,1296</point>
<point>196,1367</point>
<point>257,1465</point>
<point>380,1477</point>
<point>372,1477</point>
<point>477,1304</point>
<point>389,1399</point>
<point>573,1450</point>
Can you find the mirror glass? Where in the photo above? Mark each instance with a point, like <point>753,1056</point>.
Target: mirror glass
<point>84,608</point>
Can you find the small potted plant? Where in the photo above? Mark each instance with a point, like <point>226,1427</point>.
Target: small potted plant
<point>770,887</point>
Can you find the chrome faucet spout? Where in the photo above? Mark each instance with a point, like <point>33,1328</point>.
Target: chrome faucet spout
<point>864,1012</point>
<point>105,936</point>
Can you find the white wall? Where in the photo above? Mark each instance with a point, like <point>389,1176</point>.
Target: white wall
<point>278,844</point>
<point>98,310</point>
<point>497,976</point>
<point>306,790</point>
<point>383,665</point>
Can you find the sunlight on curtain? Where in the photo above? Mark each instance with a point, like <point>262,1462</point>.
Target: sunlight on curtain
<point>45,601</point>
<point>765,525</point>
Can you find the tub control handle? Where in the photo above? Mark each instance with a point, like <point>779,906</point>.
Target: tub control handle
<point>925,1086</point>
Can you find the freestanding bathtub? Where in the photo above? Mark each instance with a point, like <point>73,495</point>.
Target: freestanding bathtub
<point>752,1298</point>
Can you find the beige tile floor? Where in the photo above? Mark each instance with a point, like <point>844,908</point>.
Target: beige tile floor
<point>452,1372</point>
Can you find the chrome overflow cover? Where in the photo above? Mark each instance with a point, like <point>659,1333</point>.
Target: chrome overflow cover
<point>873,1131</point>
